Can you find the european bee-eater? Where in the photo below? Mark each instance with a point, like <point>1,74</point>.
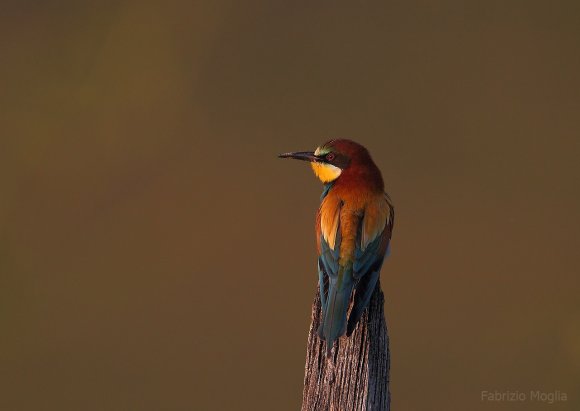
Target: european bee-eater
<point>353,231</point>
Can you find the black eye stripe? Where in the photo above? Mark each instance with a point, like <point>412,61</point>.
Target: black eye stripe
<point>330,156</point>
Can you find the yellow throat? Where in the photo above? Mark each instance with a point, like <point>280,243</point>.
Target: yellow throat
<point>326,172</point>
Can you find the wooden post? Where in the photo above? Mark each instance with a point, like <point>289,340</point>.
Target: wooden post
<point>356,377</point>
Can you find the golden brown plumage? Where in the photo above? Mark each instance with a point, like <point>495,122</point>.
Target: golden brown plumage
<point>353,231</point>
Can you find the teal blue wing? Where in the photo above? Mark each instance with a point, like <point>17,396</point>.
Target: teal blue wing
<point>366,269</point>
<point>336,285</point>
<point>327,266</point>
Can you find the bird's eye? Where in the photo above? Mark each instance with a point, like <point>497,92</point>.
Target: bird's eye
<point>330,156</point>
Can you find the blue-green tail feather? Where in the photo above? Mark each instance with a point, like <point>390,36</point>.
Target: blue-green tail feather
<point>335,308</point>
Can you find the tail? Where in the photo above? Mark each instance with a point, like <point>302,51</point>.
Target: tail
<point>334,313</point>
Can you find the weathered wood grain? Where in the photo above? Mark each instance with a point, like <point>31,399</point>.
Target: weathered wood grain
<point>356,377</point>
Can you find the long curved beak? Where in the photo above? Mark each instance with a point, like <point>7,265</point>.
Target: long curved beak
<point>300,155</point>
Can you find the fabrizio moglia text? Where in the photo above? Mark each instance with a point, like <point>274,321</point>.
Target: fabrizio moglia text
<point>548,397</point>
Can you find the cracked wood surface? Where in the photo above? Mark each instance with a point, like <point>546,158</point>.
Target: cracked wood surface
<point>356,376</point>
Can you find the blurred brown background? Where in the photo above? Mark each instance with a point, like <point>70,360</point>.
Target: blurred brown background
<point>156,255</point>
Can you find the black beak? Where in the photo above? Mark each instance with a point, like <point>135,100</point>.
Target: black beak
<point>300,155</point>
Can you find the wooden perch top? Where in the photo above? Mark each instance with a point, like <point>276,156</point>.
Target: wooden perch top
<point>356,377</point>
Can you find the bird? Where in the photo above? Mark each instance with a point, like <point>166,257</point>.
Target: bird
<point>354,224</point>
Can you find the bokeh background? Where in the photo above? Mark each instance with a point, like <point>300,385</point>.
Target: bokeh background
<point>156,255</point>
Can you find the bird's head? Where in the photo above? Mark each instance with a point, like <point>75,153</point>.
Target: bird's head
<point>336,158</point>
